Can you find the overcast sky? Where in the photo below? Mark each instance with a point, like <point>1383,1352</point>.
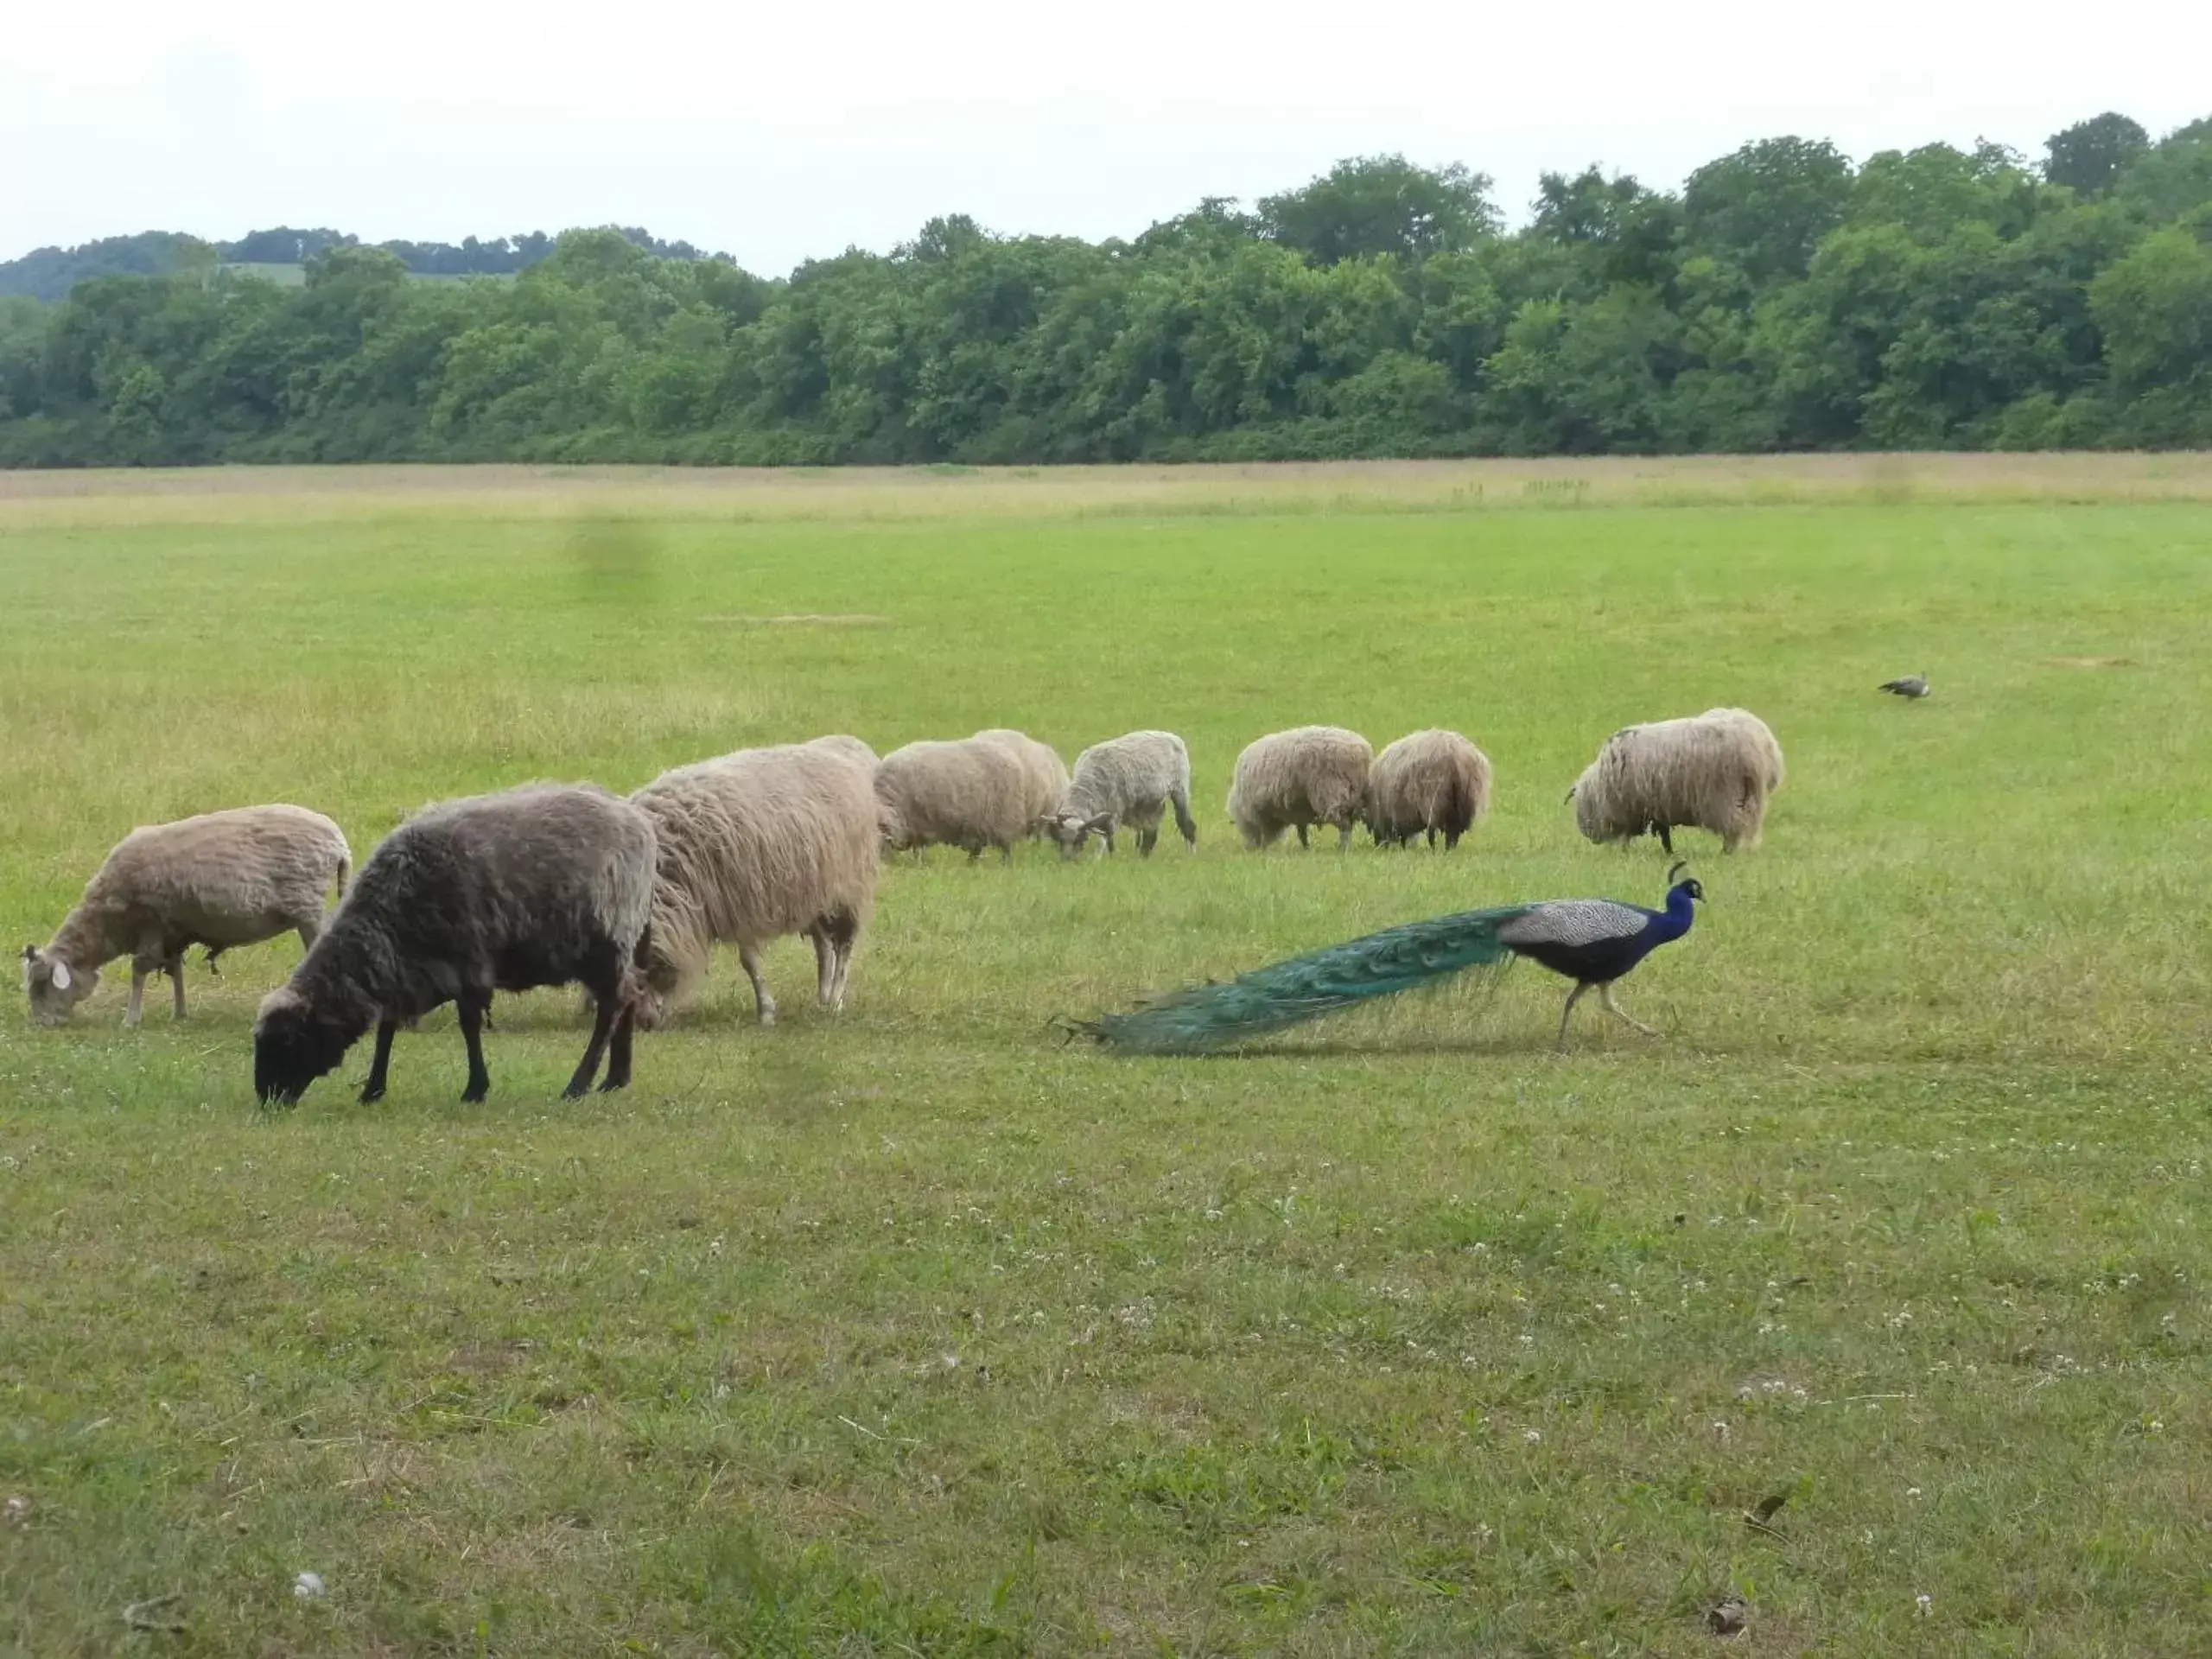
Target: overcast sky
<point>779,135</point>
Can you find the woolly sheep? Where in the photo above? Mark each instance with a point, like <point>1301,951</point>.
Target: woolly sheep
<point>1429,782</point>
<point>755,845</point>
<point>1045,775</point>
<point>222,880</point>
<point>549,884</point>
<point>1124,783</point>
<point>1306,776</point>
<point>972,792</point>
<point>1712,771</point>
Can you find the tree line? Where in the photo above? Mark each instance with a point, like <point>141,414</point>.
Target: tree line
<point>51,273</point>
<point>1783,299</point>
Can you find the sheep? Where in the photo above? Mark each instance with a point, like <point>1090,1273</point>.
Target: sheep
<point>755,845</point>
<point>1306,776</point>
<point>1124,783</point>
<point>1045,775</point>
<point>222,880</point>
<point>1714,771</point>
<point>973,792</point>
<point>547,884</point>
<point>1428,782</point>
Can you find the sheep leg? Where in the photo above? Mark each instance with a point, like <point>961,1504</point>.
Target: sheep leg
<point>1606,998</point>
<point>618,1052</point>
<point>309,930</point>
<point>139,970</point>
<point>471,1006</point>
<point>1109,834</point>
<point>1566,1012</point>
<point>1665,838</point>
<point>379,1063</point>
<point>1343,837</point>
<point>825,965</point>
<point>751,958</point>
<point>606,1004</point>
<point>1184,821</point>
<point>1146,840</point>
<point>175,969</point>
<point>1302,839</point>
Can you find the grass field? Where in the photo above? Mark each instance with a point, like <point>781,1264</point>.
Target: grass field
<point>911,1331</point>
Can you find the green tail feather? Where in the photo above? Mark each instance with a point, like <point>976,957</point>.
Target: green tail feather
<point>1321,982</point>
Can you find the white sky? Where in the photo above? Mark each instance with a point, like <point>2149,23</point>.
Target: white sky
<point>785,132</point>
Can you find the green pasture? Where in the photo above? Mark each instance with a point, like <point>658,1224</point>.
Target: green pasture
<point>913,1332</point>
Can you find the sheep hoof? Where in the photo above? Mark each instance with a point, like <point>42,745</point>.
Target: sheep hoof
<point>474,1095</point>
<point>574,1091</point>
<point>611,1084</point>
<point>370,1093</point>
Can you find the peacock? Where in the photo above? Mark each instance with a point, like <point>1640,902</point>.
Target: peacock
<point>1593,942</point>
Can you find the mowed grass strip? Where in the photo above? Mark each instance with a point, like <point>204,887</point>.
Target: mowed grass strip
<point>913,1330</point>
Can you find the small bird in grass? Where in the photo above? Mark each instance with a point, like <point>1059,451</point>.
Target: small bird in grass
<point>1593,942</point>
<point>1913,686</point>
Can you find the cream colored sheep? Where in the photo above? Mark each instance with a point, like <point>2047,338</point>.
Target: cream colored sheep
<point>1296,778</point>
<point>1429,783</point>
<point>973,792</point>
<point>1125,782</point>
<point>753,846</point>
<point>1045,775</point>
<point>1714,771</point>
<point>222,880</point>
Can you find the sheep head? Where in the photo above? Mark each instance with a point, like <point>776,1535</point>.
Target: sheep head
<point>1073,831</point>
<point>295,1042</point>
<point>53,986</point>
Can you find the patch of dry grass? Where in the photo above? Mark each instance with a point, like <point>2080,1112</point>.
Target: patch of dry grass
<point>322,494</point>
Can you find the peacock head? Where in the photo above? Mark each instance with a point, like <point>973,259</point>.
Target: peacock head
<point>1688,886</point>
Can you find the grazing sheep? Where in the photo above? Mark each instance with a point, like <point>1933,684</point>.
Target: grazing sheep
<point>1712,771</point>
<point>973,792</point>
<point>1306,776</point>
<point>222,880</point>
<point>549,884</point>
<point>1045,775</point>
<point>1430,782</point>
<point>755,845</point>
<point>1124,783</point>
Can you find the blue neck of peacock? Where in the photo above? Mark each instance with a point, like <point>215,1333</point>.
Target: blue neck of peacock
<point>1673,921</point>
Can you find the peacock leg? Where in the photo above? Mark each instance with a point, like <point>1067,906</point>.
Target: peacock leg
<point>1605,996</point>
<point>1567,1013</point>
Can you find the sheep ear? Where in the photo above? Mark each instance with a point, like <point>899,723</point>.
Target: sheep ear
<point>1103,824</point>
<point>60,976</point>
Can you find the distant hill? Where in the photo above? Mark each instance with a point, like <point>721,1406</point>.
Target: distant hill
<point>50,273</point>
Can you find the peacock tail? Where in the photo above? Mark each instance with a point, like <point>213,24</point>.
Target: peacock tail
<point>1321,982</point>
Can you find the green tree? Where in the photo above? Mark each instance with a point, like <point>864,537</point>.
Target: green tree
<point>1765,207</point>
<point>1381,203</point>
<point>2089,157</point>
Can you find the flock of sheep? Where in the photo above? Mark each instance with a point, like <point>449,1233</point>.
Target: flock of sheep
<point>552,884</point>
